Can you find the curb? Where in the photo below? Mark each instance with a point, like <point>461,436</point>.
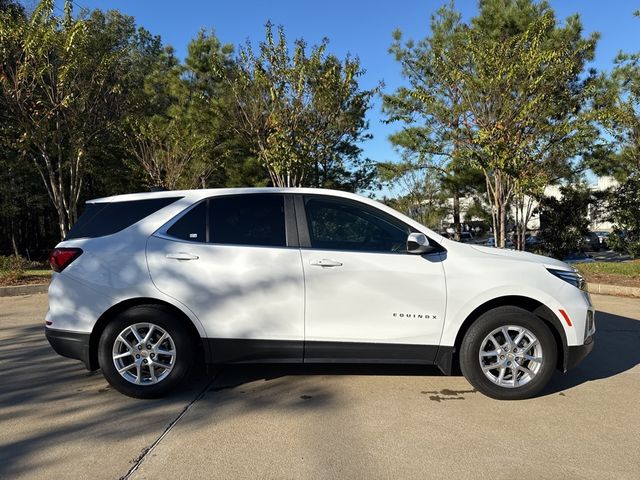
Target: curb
<point>615,290</point>
<point>23,290</point>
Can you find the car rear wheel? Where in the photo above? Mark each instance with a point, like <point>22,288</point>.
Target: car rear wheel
<point>508,353</point>
<point>145,352</point>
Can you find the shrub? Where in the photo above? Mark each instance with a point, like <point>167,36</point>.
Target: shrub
<point>12,267</point>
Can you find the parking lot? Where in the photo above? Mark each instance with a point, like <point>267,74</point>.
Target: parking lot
<point>59,421</point>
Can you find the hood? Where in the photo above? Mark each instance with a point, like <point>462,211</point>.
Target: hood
<point>523,256</point>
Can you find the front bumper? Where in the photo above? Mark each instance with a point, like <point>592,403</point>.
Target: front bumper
<point>70,344</point>
<point>576,353</point>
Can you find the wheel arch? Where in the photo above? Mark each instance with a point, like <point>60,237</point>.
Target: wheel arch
<point>120,307</point>
<point>531,305</point>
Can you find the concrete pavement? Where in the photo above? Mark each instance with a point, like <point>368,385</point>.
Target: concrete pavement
<point>318,421</point>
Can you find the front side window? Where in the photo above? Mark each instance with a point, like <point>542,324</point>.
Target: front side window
<point>254,219</point>
<point>337,225</point>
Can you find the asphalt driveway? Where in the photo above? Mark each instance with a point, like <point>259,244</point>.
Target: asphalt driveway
<point>59,421</point>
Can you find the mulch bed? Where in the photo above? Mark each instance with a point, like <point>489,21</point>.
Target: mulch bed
<point>25,280</point>
<point>608,279</point>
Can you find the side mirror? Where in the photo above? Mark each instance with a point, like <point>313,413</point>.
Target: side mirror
<point>418,243</point>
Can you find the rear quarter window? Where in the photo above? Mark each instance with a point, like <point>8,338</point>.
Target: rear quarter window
<point>101,219</point>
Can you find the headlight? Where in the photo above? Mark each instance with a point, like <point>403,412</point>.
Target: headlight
<point>572,277</point>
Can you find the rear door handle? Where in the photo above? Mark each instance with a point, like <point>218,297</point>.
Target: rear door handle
<point>326,262</point>
<point>182,256</point>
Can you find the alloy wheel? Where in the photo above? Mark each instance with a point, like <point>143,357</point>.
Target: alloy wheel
<point>511,356</point>
<point>144,354</point>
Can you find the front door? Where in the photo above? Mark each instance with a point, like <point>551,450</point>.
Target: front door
<point>367,299</point>
<point>232,261</point>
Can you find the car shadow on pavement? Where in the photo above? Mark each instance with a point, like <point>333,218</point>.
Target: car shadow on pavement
<point>286,388</point>
<point>231,376</point>
<point>616,350</point>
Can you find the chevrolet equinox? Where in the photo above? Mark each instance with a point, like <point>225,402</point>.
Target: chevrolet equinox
<point>144,281</point>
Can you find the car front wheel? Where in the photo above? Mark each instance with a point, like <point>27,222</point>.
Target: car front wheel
<point>144,352</point>
<point>508,353</point>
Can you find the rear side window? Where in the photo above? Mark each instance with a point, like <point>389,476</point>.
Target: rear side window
<point>100,219</point>
<point>248,220</point>
<point>192,226</point>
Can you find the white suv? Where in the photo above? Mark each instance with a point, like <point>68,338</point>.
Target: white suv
<point>143,281</point>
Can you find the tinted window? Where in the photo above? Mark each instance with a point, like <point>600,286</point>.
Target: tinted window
<point>336,225</point>
<point>100,219</point>
<point>192,226</point>
<point>247,220</point>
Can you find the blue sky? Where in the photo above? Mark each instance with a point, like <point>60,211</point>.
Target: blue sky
<point>358,27</point>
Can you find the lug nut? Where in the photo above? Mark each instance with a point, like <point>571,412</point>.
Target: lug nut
<point>144,361</point>
<point>148,347</point>
<point>501,357</point>
<point>139,347</point>
<point>508,363</point>
<point>153,355</point>
<point>137,356</point>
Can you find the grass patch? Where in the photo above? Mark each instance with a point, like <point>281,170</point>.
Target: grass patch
<point>625,269</point>
<point>45,272</point>
<point>612,273</point>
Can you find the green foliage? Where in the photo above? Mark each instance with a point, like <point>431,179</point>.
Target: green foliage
<point>12,267</point>
<point>12,7</point>
<point>564,222</point>
<point>623,207</point>
<point>64,90</point>
<point>302,113</point>
<point>619,113</point>
<point>619,107</point>
<point>179,138</point>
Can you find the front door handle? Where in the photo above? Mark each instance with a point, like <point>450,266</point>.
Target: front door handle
<point>182,256</point>
<point>326,262</point>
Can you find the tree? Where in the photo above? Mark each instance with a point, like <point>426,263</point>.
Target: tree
<point>303,114</point>
<point>503,94</point>
<point>430,109</point>
<point>61,89</point>
<point>620,101</point>
<point>170,153</point>
<point>173,135</point>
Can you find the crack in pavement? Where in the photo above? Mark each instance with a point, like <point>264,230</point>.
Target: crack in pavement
<point>146,451</point>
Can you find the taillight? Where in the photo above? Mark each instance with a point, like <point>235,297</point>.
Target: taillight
<point>60,258</point>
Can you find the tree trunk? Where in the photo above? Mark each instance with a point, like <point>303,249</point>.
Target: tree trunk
<point>14,244</point>
<point>457,228</point>
<point>523,227</point>
<point>503,224</point>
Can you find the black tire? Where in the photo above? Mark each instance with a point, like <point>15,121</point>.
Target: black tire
<point>185,346</point>
<point>486,324</point>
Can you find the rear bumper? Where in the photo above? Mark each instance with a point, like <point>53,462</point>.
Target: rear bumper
<point>70,344</point>
<point>577,353</point>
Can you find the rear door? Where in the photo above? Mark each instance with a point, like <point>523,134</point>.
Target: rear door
<point>235,262</point>
<point>367,299</point>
